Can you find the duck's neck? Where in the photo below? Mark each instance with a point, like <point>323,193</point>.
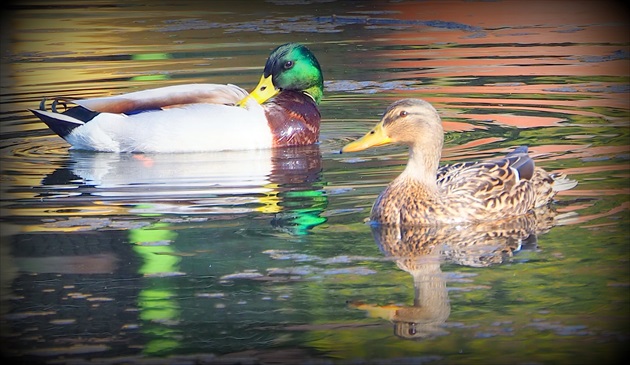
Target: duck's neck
<point>423,165</point>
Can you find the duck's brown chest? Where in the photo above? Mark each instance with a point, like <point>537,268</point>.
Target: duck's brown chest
<point>406,203</point>
<point>293,119</point>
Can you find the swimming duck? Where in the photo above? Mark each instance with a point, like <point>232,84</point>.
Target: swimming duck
<point>466,192</point>
<point>201,117</point>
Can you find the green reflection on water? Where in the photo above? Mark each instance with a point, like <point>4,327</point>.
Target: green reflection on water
<point>150,78</point>
<point>150,56</point>
<point>157,301</point>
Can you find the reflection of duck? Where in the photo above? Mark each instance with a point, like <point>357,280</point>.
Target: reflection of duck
<point>430,307</point>
<point>281,181</point>
<point>419,250</point>
<point>202,117</point>
<point>463,192</point>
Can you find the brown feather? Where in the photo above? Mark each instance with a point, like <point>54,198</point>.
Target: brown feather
<point>293,118</point>
<point>214,94</point>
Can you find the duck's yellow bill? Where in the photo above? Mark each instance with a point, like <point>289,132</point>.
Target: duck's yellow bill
<point>264,91</point>
<point>375,137</point>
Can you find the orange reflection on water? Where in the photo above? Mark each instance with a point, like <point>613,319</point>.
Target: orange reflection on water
<point>529,98</point>
<point>460,126</point>
<point>519,121</point>
<point>615,210</point>
<point>466,151</point>
<point>601,150</point>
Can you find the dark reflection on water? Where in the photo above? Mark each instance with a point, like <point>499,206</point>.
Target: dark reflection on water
<point>254,257</point>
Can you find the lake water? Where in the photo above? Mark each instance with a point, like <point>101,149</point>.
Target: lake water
<point>264,257</point>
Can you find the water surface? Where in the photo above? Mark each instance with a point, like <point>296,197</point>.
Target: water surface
<point>265,257</point>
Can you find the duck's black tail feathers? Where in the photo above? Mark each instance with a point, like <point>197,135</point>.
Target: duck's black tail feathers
<point>63,123</point>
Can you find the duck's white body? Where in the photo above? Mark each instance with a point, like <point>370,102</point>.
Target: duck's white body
<point>186,129</point>
<point>183,118</point>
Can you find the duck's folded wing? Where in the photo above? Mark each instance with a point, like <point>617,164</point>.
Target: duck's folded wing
<point>485,179</point>
<point>490,176</point>
<point>165,97</point>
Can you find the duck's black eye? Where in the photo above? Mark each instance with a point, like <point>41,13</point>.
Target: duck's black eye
<point>287,65</point>
<point>403,113</point>
<point>412,329</point>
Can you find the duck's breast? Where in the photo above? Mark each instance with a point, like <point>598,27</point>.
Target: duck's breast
<point>293,119</point>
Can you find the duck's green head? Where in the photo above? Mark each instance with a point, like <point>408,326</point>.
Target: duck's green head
<point>293,67</point>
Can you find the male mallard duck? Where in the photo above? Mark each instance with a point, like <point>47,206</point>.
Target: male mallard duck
<point>459,193</point>
<point>202,117</point>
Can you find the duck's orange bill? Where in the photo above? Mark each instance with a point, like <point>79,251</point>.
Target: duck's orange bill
<point>264,91</point>
<point>375,137</point>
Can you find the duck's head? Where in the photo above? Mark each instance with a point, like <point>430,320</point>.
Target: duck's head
<point>292,67</point>
<point>411,122</point>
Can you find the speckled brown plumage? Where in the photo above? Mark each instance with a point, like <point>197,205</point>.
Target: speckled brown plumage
<point>293,118</point>
<point>425,194</point>
<point>466,193</point>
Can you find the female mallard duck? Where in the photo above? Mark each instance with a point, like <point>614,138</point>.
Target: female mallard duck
<point>459,193</point>
<point>202,117</point>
